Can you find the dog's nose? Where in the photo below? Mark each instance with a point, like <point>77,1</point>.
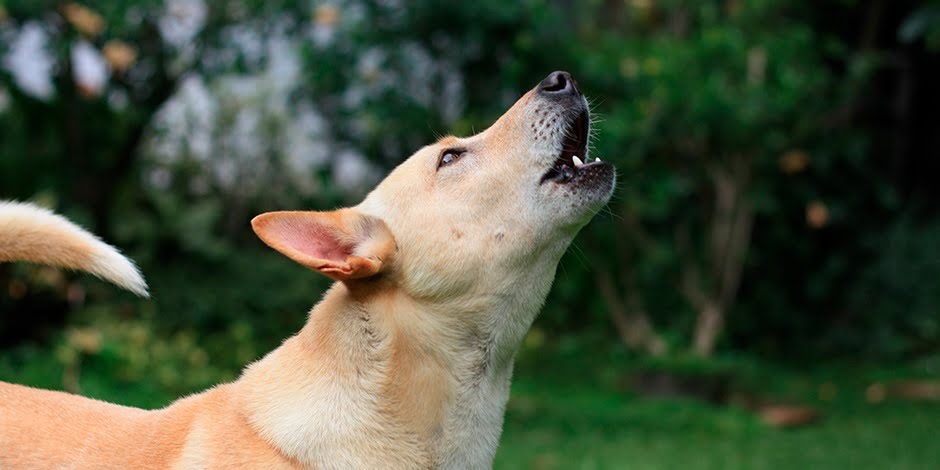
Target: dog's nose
<point>558,83</point>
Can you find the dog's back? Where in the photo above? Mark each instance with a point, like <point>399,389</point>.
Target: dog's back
<point>42,429</point>
<point>46,427</point>
<point>41,417</point>
<point>30,233</point>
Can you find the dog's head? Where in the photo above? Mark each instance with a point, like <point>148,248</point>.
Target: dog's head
<point>466,221</point>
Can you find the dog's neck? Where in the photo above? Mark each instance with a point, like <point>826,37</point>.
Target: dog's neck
<point>376,371</point>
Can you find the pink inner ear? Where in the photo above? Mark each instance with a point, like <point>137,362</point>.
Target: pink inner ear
<point>314,240</point>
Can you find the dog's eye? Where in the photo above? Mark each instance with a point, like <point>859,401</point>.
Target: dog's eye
<point>450,156</point>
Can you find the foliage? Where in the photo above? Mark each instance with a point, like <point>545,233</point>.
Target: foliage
<point>768,202</point>
<point>750,214</point>
<point>923,22</point>
<point>894,307</point>
<point>726,96</point>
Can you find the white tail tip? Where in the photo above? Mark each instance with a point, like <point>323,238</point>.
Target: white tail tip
<point>31,233</point>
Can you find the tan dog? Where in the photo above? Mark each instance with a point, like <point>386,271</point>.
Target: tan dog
<point>406,362</point>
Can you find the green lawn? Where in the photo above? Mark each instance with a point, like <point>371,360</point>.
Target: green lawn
<point>580,427</point>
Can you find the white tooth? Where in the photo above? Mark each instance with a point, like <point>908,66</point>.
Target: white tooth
<point>597,160</point>
<point>577,161</point>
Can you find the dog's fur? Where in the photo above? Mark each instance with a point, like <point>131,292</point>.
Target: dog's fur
<point>30,233</point>
<point>405,363</point>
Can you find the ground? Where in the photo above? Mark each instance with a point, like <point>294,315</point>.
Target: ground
<point>585,428</point>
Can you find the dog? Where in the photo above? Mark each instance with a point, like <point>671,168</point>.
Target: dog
<point>405,362</point>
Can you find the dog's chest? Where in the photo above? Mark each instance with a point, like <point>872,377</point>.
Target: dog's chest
<point>471,432</point>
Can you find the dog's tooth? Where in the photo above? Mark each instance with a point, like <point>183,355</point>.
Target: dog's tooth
<point>577,161</point>
<point>597,160</point>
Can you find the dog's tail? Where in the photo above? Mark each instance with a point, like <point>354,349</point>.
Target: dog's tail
<point>31,233</point>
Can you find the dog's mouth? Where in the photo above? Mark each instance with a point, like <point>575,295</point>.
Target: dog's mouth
<point>573,157</point>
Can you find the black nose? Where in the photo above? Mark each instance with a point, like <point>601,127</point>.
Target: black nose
<point>558,83</point>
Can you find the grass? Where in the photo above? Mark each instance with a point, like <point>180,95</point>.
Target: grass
<point>583,424</point>
<point>581,428</point>
<point>565,415</point>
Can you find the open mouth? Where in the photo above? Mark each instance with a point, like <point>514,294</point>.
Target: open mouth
<point>572,159</point>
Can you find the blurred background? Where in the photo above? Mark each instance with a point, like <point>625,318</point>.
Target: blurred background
<point>763,292</point>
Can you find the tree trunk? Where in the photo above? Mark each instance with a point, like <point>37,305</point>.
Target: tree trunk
<point>632,323</point>
<point>729,238</point>
<point>707,328</point>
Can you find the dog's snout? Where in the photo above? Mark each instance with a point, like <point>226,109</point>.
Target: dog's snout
<point>558,83</point>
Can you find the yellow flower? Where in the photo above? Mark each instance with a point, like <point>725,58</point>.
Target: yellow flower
<point>119,54</point>
<point>817,214</point>
<point>629,67</point>
<point>83,19</point>
<point>793,161</point>
<point>326,15</point>
<point>641,4</point>
<point>85,340</point>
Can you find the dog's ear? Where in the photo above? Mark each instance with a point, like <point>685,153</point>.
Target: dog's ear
<point>343,244</point>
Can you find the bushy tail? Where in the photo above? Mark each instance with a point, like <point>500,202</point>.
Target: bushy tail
<point>31,233</point>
